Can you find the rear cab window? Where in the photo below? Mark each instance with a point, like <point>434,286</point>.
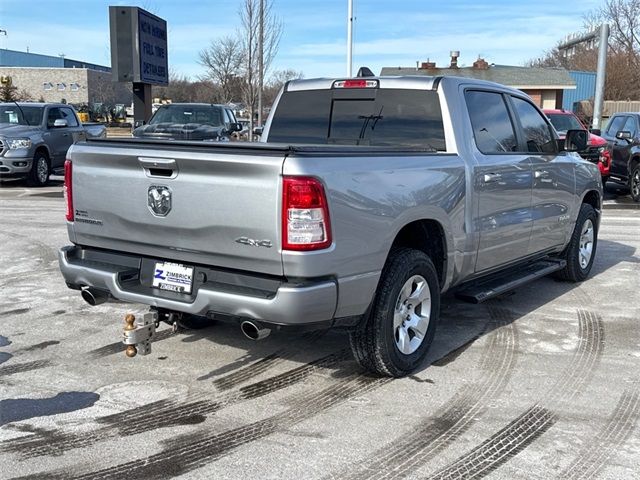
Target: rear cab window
<point>375,117</point>
<point>493,130</point>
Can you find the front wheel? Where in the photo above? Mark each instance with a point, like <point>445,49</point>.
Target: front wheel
<point>397,333</point>
<point>40,171</point>
<point>634,183</point>
<point>581,250</point>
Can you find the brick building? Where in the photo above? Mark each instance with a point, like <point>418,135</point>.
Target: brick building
<point>54,79</point>
<point>545,86</point>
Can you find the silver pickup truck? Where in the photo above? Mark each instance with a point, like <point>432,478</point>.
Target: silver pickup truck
<point>365,201</point>
<point>35,137</point>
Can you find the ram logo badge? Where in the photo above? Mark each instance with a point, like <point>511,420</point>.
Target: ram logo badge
<point>159,200</point>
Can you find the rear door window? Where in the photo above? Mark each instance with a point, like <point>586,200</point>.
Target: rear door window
<point>379,117</point>
<point>492,127</point>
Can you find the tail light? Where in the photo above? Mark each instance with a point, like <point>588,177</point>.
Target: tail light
<point>305,215</point>
<point>605,156</point>
<point>68,192</point>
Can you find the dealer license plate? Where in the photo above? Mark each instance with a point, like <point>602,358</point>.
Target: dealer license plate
<point>173,276</point>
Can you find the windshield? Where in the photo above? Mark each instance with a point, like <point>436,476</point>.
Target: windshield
<point>562,123</point>
<point>205,115</point>
<point>11,114</point>
<point>378,117</point>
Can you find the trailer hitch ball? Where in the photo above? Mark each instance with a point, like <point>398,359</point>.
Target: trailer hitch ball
<point>129,320</point>
<point>137,334</point>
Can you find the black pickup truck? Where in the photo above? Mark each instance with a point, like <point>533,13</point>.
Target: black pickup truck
<point>623,134</point>
<point>190,121</point>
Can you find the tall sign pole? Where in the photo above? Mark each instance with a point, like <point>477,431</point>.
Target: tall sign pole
<point>350,39</point>
<point>138,54</point>
<point>260,62</point>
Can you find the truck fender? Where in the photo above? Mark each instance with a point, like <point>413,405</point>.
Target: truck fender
<point>439,217</point>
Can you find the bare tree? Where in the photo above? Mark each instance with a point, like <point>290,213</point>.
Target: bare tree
<point>276,82</point>
<point>249,33</point>
<point>10,93</point>
<point>223,60</point>
<point>623,59</point>
<point>182,89</point>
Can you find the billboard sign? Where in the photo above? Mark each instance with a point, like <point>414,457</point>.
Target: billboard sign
<point>138,46</point>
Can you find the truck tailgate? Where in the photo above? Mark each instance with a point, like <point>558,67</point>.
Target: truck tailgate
<point>224,202</point>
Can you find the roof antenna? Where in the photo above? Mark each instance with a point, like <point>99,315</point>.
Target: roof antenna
<point>365,72</point>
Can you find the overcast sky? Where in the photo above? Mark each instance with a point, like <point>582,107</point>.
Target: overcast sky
<point>386,33</point>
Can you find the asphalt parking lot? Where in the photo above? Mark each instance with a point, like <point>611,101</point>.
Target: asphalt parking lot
<point>541,383</point>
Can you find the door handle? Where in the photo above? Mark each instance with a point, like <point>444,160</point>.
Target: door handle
<point>491,177</point>
<point>159,167</point>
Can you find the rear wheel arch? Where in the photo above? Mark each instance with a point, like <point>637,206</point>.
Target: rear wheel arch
<point>428,236</point>
<point>592,197</point>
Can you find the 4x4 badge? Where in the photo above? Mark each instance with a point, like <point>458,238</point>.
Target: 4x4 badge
<point>159,200</point>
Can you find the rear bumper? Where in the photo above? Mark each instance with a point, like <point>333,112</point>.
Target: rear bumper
<point>287,304</point>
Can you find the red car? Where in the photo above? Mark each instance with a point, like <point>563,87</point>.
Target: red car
<point>597,150</point>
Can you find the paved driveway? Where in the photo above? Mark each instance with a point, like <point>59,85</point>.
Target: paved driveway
<point>541,383</point>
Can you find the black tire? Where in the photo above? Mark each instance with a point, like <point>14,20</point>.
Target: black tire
<point>374,341</point>
<point>38,176</point>
<point>634,182</point>
<point>575,271</point>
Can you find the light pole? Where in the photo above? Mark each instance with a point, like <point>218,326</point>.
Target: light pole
<point>603,43</point>
<point>350,39</point>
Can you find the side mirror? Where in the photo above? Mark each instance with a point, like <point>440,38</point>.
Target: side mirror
<point>596,131</point>
<point>257,131</point>
<point>138,123</point>
<point>235,127</point>
<point>623,135</point>
<point>60,123</point>
<point>576,140</point>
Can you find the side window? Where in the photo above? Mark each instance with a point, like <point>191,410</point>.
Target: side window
<point>535,128</point>
<point>227,117</point>
<point>615,125</point>
<point>630,126</point>
<point>68,115</point>
<point>492,127</point>
<point>232,117</point>
<point>53,115</point>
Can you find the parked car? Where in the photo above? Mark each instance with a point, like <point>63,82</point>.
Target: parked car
<point>623,134</point>
<point>366,199</point>
<point>597,151</point>
<point>190,121</point>
<point>35,137</point>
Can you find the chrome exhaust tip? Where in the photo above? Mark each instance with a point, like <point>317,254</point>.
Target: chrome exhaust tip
<point>93,296</point>
<point>254,331</point>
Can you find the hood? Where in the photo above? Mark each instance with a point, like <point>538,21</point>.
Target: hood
<point>179,131</point>
<point>11,130</point>
<point>596,141</point>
